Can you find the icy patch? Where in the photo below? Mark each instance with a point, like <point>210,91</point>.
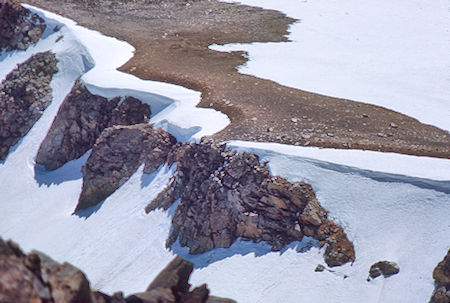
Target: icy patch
<point>388,53</point>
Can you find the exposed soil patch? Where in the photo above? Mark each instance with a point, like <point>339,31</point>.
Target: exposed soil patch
<point>171,40</point>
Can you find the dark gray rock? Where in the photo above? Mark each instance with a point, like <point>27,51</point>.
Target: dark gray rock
<point>19,28</point>
<point>80,121</point>
<point>116,156</point>
<point>24,95</point>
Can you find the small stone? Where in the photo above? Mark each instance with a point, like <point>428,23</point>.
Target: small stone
<point>393,125</point>
<point>319,268</point>
<point>294,120</point>
<point>306,136</point>
<point>270,129</point>
<point>380,134</point>
<point>254,119</point>
<point>330,134</point>
<point>365,115</point>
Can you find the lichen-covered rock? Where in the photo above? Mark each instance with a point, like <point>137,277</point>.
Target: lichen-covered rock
<point>80,121</point>
<point>19,28</point>
<point>116,156</point>
<point>24,95</point>
<point>385,268</point>
<point>226,195</point>
<point>441,275</point>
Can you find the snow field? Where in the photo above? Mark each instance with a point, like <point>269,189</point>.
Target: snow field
<point>391,54</point>
<point>393,207</point>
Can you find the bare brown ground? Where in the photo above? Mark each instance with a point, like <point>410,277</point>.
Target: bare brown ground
<point>171,40</point>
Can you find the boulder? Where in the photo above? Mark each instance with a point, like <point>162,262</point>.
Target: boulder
<point>385,268</point>
<point>24,95</point>
<point>79,122</point>
<point>117,154</point>
<point>19,28</point>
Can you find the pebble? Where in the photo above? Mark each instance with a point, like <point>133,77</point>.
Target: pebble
<point>393,125</point>
<point>365,115</point>
<point>295,120</point>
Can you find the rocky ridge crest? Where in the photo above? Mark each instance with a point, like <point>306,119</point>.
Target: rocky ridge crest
<point>24,95</point>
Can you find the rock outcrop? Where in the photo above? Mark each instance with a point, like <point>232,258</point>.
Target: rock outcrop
<point>117,154</point>
<point>19,28</point>
<point>24,95</point>
<point>441,275</point>
<point>80,121</point>
<point>385,268</point>
<point>36,278</point>
<point>226,195</point>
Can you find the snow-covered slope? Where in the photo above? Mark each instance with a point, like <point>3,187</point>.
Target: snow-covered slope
<point>396,213</point>
<point>390,53</point>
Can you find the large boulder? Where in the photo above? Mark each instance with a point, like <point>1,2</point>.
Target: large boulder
<point>441,275</point>
<point>226,195</point>
<point>24,95</point>
<point>80,121</point>
<point>117,154</point>
<point>19,28</point>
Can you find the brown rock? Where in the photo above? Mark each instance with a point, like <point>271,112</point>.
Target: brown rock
<point>35,278</point>
<point>24,95</point>
<point>385,268</point>
<point>116,156</point>
<point>226,195</point>
<point>80,121</point>
<point>441,275</point>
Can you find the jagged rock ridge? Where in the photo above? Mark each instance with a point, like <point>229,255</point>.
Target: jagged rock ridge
<point>441,275</point>
<point>24,95</point>
<point>19,28</point>
<point>81,119</point>
<point>226,195</point>
<point>36,278</point>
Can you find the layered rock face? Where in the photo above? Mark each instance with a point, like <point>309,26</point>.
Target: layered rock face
<point>36,278</point>
<point>80,121</point>
<point>441,275</point>
<point>117,154</point>
<point>19,28</point>
<point>24,95</point>
<point>226,195</point>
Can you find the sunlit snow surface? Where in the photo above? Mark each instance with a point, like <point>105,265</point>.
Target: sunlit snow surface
<point>392,207</point>
<point>390,53</point>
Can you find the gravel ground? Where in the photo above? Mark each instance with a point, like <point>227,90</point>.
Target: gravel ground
<point>171,40</point>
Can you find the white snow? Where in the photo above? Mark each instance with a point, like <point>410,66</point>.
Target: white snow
<point>390,53</point>
<point>393,207</point>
